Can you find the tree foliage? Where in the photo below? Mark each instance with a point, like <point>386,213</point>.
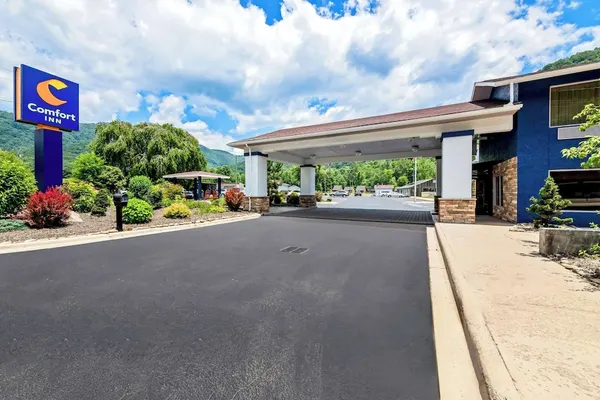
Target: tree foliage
<point>589,149</point>
<point>16,183</point>
<point>140,186</point>
<point>146,149</point>
<point>549,206</point>
<point>87,167</point>
<point>111,178</point>
<point>576,59</point>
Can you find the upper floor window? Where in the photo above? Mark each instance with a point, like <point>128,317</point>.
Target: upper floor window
<point>566,101</point>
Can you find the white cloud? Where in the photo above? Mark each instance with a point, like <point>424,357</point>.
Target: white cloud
<point>217,55</point>
<point>171,110</point>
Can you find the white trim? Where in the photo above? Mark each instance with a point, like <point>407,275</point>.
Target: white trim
<point>550,101</point>
<point>380,156</point>
<point>543,75</point>
<point>447,118</point>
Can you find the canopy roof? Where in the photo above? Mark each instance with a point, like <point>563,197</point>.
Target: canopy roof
<point>195,174</point>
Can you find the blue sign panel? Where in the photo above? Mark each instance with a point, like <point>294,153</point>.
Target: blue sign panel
<point>45,99</point>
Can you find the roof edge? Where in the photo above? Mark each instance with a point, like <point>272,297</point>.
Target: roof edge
<point>241,144</point>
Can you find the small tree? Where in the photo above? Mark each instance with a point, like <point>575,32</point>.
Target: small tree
<point>87,167</point>
<point>111,178</point>
<point>546,209</point>
<point>589,149</point>
<point>140,187</point>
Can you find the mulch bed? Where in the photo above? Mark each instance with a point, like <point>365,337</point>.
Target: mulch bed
<point>91,225</point>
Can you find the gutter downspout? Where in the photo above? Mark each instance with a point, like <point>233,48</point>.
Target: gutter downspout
<point>249,172</point>
<point>512,93</point>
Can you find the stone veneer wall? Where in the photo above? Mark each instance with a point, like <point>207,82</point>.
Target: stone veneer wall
<point>507,169</point>
<point>457,210</point>
<point>307,201</point>
<point>259,204</point>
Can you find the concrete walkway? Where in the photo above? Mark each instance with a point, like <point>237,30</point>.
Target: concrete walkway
<point>533,326</point>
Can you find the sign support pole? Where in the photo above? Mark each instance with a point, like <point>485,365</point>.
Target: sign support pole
<point>48,158</point>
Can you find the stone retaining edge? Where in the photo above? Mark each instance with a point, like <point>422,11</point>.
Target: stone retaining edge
<point>40,244</point>
<point>495,381</point>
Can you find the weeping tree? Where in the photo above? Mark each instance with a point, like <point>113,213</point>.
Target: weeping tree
<point>147,149</point>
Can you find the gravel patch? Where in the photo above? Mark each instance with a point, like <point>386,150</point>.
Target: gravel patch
<point>93,225</point>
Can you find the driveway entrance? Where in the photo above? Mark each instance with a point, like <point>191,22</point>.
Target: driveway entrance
<point>368,209</point>
<point>223,313</point>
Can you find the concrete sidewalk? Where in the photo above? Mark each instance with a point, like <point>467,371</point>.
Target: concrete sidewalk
<point>532,326</point>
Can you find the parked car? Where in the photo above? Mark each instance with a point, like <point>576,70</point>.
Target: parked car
<point>358,193</point>
<point>340,193</point>
<point>188,194</point>
<point>389,193</point>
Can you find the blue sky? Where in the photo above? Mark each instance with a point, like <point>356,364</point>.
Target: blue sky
<point>229,69</point>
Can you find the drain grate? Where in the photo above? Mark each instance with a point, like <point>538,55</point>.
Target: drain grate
<point>294,250</point>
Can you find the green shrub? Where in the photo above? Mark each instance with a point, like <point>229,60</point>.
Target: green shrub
<point>329,200</point>
<point>275,199</point>
<point>319,195</point>
<point>549,206</point>
<point>101,203</point>
<point>216,210</point>
<point>84,204</point>
<point>171,191</point>
<point>7,225</point>
<point>293,199</point>
<point>111,178</point>
<point>87,167</point>
<point>137,212</point>
<point>177,210</point>
<point>78,188</point>
<point>155,197</point>
<point>139,187</point>
<point>17,183</point>
<point>219,202</point>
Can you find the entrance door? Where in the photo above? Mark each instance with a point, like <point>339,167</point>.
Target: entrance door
<point>483,191</point>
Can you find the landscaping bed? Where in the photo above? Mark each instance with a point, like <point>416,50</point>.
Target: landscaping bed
<point>91,224</point>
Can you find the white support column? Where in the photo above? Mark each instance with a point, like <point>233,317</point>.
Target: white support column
<point>256,182</point>
<point>307,180</point>
<point>438,176</point>
<point>457,204</point>
<point>457,164</point>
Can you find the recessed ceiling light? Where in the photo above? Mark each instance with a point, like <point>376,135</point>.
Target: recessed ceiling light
<point>358,153</point>
<point>415,148</point>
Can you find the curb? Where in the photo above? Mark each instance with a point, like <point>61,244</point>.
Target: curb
<point>42,244</point>
<point>495,381</point>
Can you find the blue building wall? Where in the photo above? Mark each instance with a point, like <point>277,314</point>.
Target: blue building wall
<point>499,146</point>
<point>538,147</point>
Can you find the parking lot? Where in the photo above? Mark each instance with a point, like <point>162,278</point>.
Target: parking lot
<point>223,313</point>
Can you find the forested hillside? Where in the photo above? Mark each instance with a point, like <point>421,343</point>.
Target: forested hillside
<point>576,59</point>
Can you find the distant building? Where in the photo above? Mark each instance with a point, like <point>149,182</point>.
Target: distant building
<point>425,186</point>
<point>338,187</point>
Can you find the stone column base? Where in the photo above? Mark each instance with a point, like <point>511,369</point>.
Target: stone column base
<point>258,204</point>
<point>307,201</point>
<point>460,211</point>
<point>436,204</point>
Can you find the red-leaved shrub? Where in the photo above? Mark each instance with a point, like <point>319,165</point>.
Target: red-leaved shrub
<point>48,209</point>
<point>234,199</point>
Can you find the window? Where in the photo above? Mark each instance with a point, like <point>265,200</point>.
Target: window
<point>499,191</point>
<point>581,186</point>
<point>569,100</point>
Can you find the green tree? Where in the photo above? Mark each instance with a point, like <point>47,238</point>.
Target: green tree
<point>146,149</point>
<point>576,59</point>
<point>402,180</point>
<point>87,167</point>
<point>16,183</point>
<point>290,174</point>
<point>589,149</point>
<point>549,206</point>
<point>274,169</point>
<point>140,187</point>
<point>111,178</point>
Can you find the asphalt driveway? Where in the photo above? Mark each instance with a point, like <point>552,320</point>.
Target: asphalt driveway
<point>222,313</point>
